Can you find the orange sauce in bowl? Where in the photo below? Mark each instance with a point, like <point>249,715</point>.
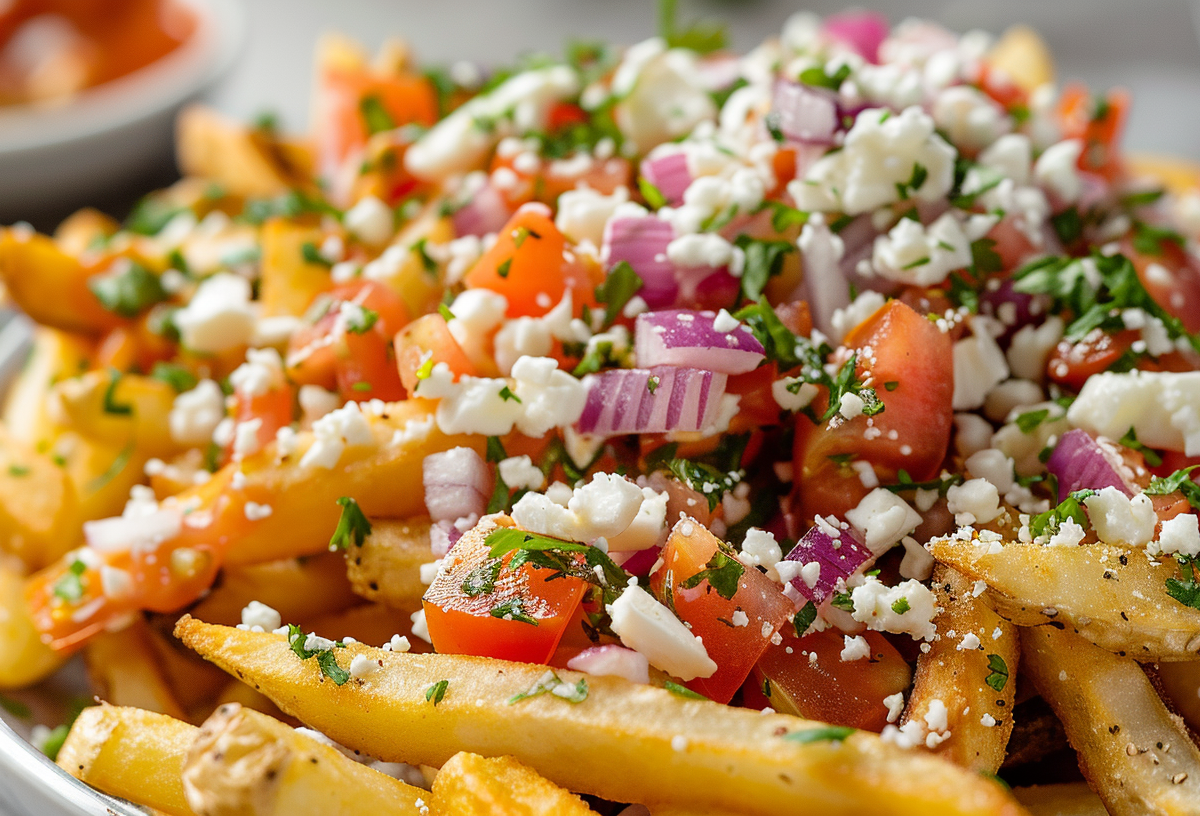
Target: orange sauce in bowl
<point>51,50</point>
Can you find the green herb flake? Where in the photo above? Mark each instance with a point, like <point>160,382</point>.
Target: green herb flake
<point>445,312</point>
<point>174,375</point>
<point>764,260</point>
<point>70,586</point>
<point>619,287</point>
<point>804,619</point>
<point>829,733</point>
<point>437,692</point>
<point>560,557</point>
<point>551,683</point>
<point>683,691</point>
<point>723,572</point>
<point>482,579</point>
<point>507,395</point>
<point>110,405</point>
<point>1150,455</point>
<point>127,289</point>
<point>503,269</point>
<point>1029,420</point>
<point>18,471</point>
<point>901,606</point>
<point>512,609</point>
<point>326,658</point>
<point>375,115</point>
<point>654,197</point>
<point>352,527</point>
<point>997,672</point>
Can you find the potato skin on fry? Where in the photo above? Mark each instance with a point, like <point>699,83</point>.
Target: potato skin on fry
<point>1112,596</point>
<point>387,567</point>
<point>1137,756</point>
<point>24,659</point>
<point>471,785</point>
<point>244,763</point>
<point>130,753</point>
<point>623,742</point>
<point>958,676</point>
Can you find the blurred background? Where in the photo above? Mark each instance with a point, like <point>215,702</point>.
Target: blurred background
<point>1150,47</point>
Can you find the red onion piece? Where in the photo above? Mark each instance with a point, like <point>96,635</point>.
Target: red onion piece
<point>642,243</point>
<point>824,287</point>
<point>485,213</point>
<point>680,337</point>
<point>1079,462</point>
<point>670,175</point>
<point>637,562</point>
<point>123,533</point>
<point>457,484</point>
<point>863,31</point>
<point>805,114</point>
<point>443,535</point>
<point>620,401</point>
<point>839,558</point>
<point>612,661</point>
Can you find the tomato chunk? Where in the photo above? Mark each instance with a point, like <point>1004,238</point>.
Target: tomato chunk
<point>477,605</point>
<point>425,343</point>
<point>733,609</point>
<point>825,687</point>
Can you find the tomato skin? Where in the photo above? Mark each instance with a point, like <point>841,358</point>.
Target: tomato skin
<point>829,689</point>
<point>428,335</point>
<point>711,616</point>
<point>1177,291</point>
<point>462,624</point>
<point>273,408</point>
<point>1100,134</point>
<point>1071,364</point>
<point>912,352</point>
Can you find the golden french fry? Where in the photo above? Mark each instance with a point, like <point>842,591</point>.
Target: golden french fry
<point>1023,55</point>
<point>1067,799</point>
<point>418,289</point>
<point>384,476</point>
<point>244,763</point>
<point>471,785</point>
<point>194,683</point>
<point>102,471</point>
<point>124,671</point>
<point>56,355</point>
<point>130,753</point>
<point>387,567</point>
<point>299,589</point>
<point>134,411</point>
<point>237,692</point>
<point>979,715</point>
<point>244,162</point>
<point>1180,684</point>
<point>49,285</point>
<point>1137,757</point>
<point>39,514</point>
<point>623,742</point>
<point>24,659</point>
<point>289,282</point>
<point>1114,597</point>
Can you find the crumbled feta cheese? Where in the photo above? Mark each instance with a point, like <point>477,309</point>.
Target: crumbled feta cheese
<point>646,626</point>
<point>895,706</point>
<point>220,315</point>
<point>969,117</point>
<point>759,549</point>
<point>316,402</point>
<point>582,213</point>
<point>875,605</point>
<point>855,647</point>
<point>917,562</point>
<point>1162,408</point>
<point>739,618</point>
<point>975,501</point>
<point>1118,519</point>
<point>334,432</point>
<point>1057,171</point>
<point>844,320</point>
<point>793,394</point>
<point>704,250</point>
<point>520,473</point>
<point>660,94</point>
<point>115,583</point>
<point>987,721</point>
<point>195,414</point>
<point>969,643</point>
<point>257,614</point>
<point>371,221</point>
<point>883,518</point>
<point>1179,535</point>
<point>920,256</point>
<point>979,365</point>
<point>257,512</point>
<point>1069,534</point>
<point>851,405</point>
<point>362,667</point>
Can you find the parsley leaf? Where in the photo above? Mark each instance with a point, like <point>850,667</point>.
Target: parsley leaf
<point>830,733</point>
<point>326,659</point>
<point>551,683</point>
<point>174,375</point>
<point>819,78</point>
<point>375,115</point>
<point>562,557</point>
<point>1185,589</point>
<point>482,579</point>
<point>683,691</point>
<point>127,289</point>
<point>1031,419</point>
<point>1130,441</point>
<point>619,287</point>
<point>110,405</point>
<point>722,573</point>
<point>997,672</point>
<point>1049,523</point>
<point>764,260</point>
<point>435,693</point>
<point>804,618</point>
<point>311,254</point>
<point>353,526</point>
<point>655,200</point>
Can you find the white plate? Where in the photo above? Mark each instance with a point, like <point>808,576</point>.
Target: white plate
<point>59,154</point>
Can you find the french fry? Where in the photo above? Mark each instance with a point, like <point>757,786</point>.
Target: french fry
<point>56,355</point>
<point>134,410</point>
<point>289,282</point>
<point>49,285</point>
<point>39,514</point>
<point>1136,756</point>
<point>237,692</point>
<point>959,677</point>
<point>130,753</point>
<point>1180,683</point>
<point>387,567</point>
<point>418,289</point>
<point>24,659</point>
<point>624,742</point>
<point>1067,799</point>
<point>124,671</point>
<point>384,478</point>
<point>471,785</point>
<point>244,763</point>
<point>1024,57</point>
<point>297,589</point>
<point>1113,597</point>
<point>244,162</point>
<point>194,683</point>
<point>102,471</point>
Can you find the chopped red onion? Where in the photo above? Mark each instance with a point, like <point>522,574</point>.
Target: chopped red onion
<point>642,242</point>
<point>485,213</point>
<point>637,562</point>
<point>625,401</point>
<point>680,337</point>
<point>443,535</point>
<point>1079,462</point>
<point>457,484</point>
<point>612,661</point>
<point>670,175</point>
<point>824,287</point>
<point>805,114</point>
<point>863,31</point>
<point>838,557</point>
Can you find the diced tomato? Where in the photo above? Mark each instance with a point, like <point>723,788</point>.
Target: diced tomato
<point>425,343</point>
<point>1071,364</point>
<point>165,578</point>
<point>273,408</point>
<point>827,688</point>
<point>352,100</point>
<point>367,370</point>
<point>997,84</point>
<point>911,366</point>
<point>478,606</point>
<point>1099,122</point>
<point>733,609</point>
<point>564,115</point>
<point>528,265</point>
<point>757,406</point>
<point>1172,277</point>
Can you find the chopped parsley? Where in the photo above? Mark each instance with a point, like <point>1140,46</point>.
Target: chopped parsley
<point>151,214</point>
<point>843,601</point>
<point>1185,588</point>
<point>1049,523</point>
<point>654,197</point>
<point>174,375</point>
<point>110,405</point>
<point>128,289</point>
<point>561,557</point>
<point>506,394</point>
<point>1029,420</point>
<point>819,78</point>
<point>375,115</point>
<point>682,691</point>
<point>482,579</point>
<point>504,268</point>
<point>723,572</point>
<point>997,672</point>
<point>829,733</point>
<point>764,260</point>
<point>919,175</point>
<point>705,479</point>
<point>901,606</point>
<point>435,693</point>
<point>619,287</point>
<point>445,312</point>
<point>70,586</point>
<point>18,470</point>
<point>326,659</point>
<point>312,255</point>
<point>361,320</point>
<point>1180,481</point>
<point>512,609</point>
<point>551,683</point>
<point>352,527</point>
<point>804,618</point>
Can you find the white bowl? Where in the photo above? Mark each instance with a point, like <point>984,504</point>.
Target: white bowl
<point>55,157</point>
